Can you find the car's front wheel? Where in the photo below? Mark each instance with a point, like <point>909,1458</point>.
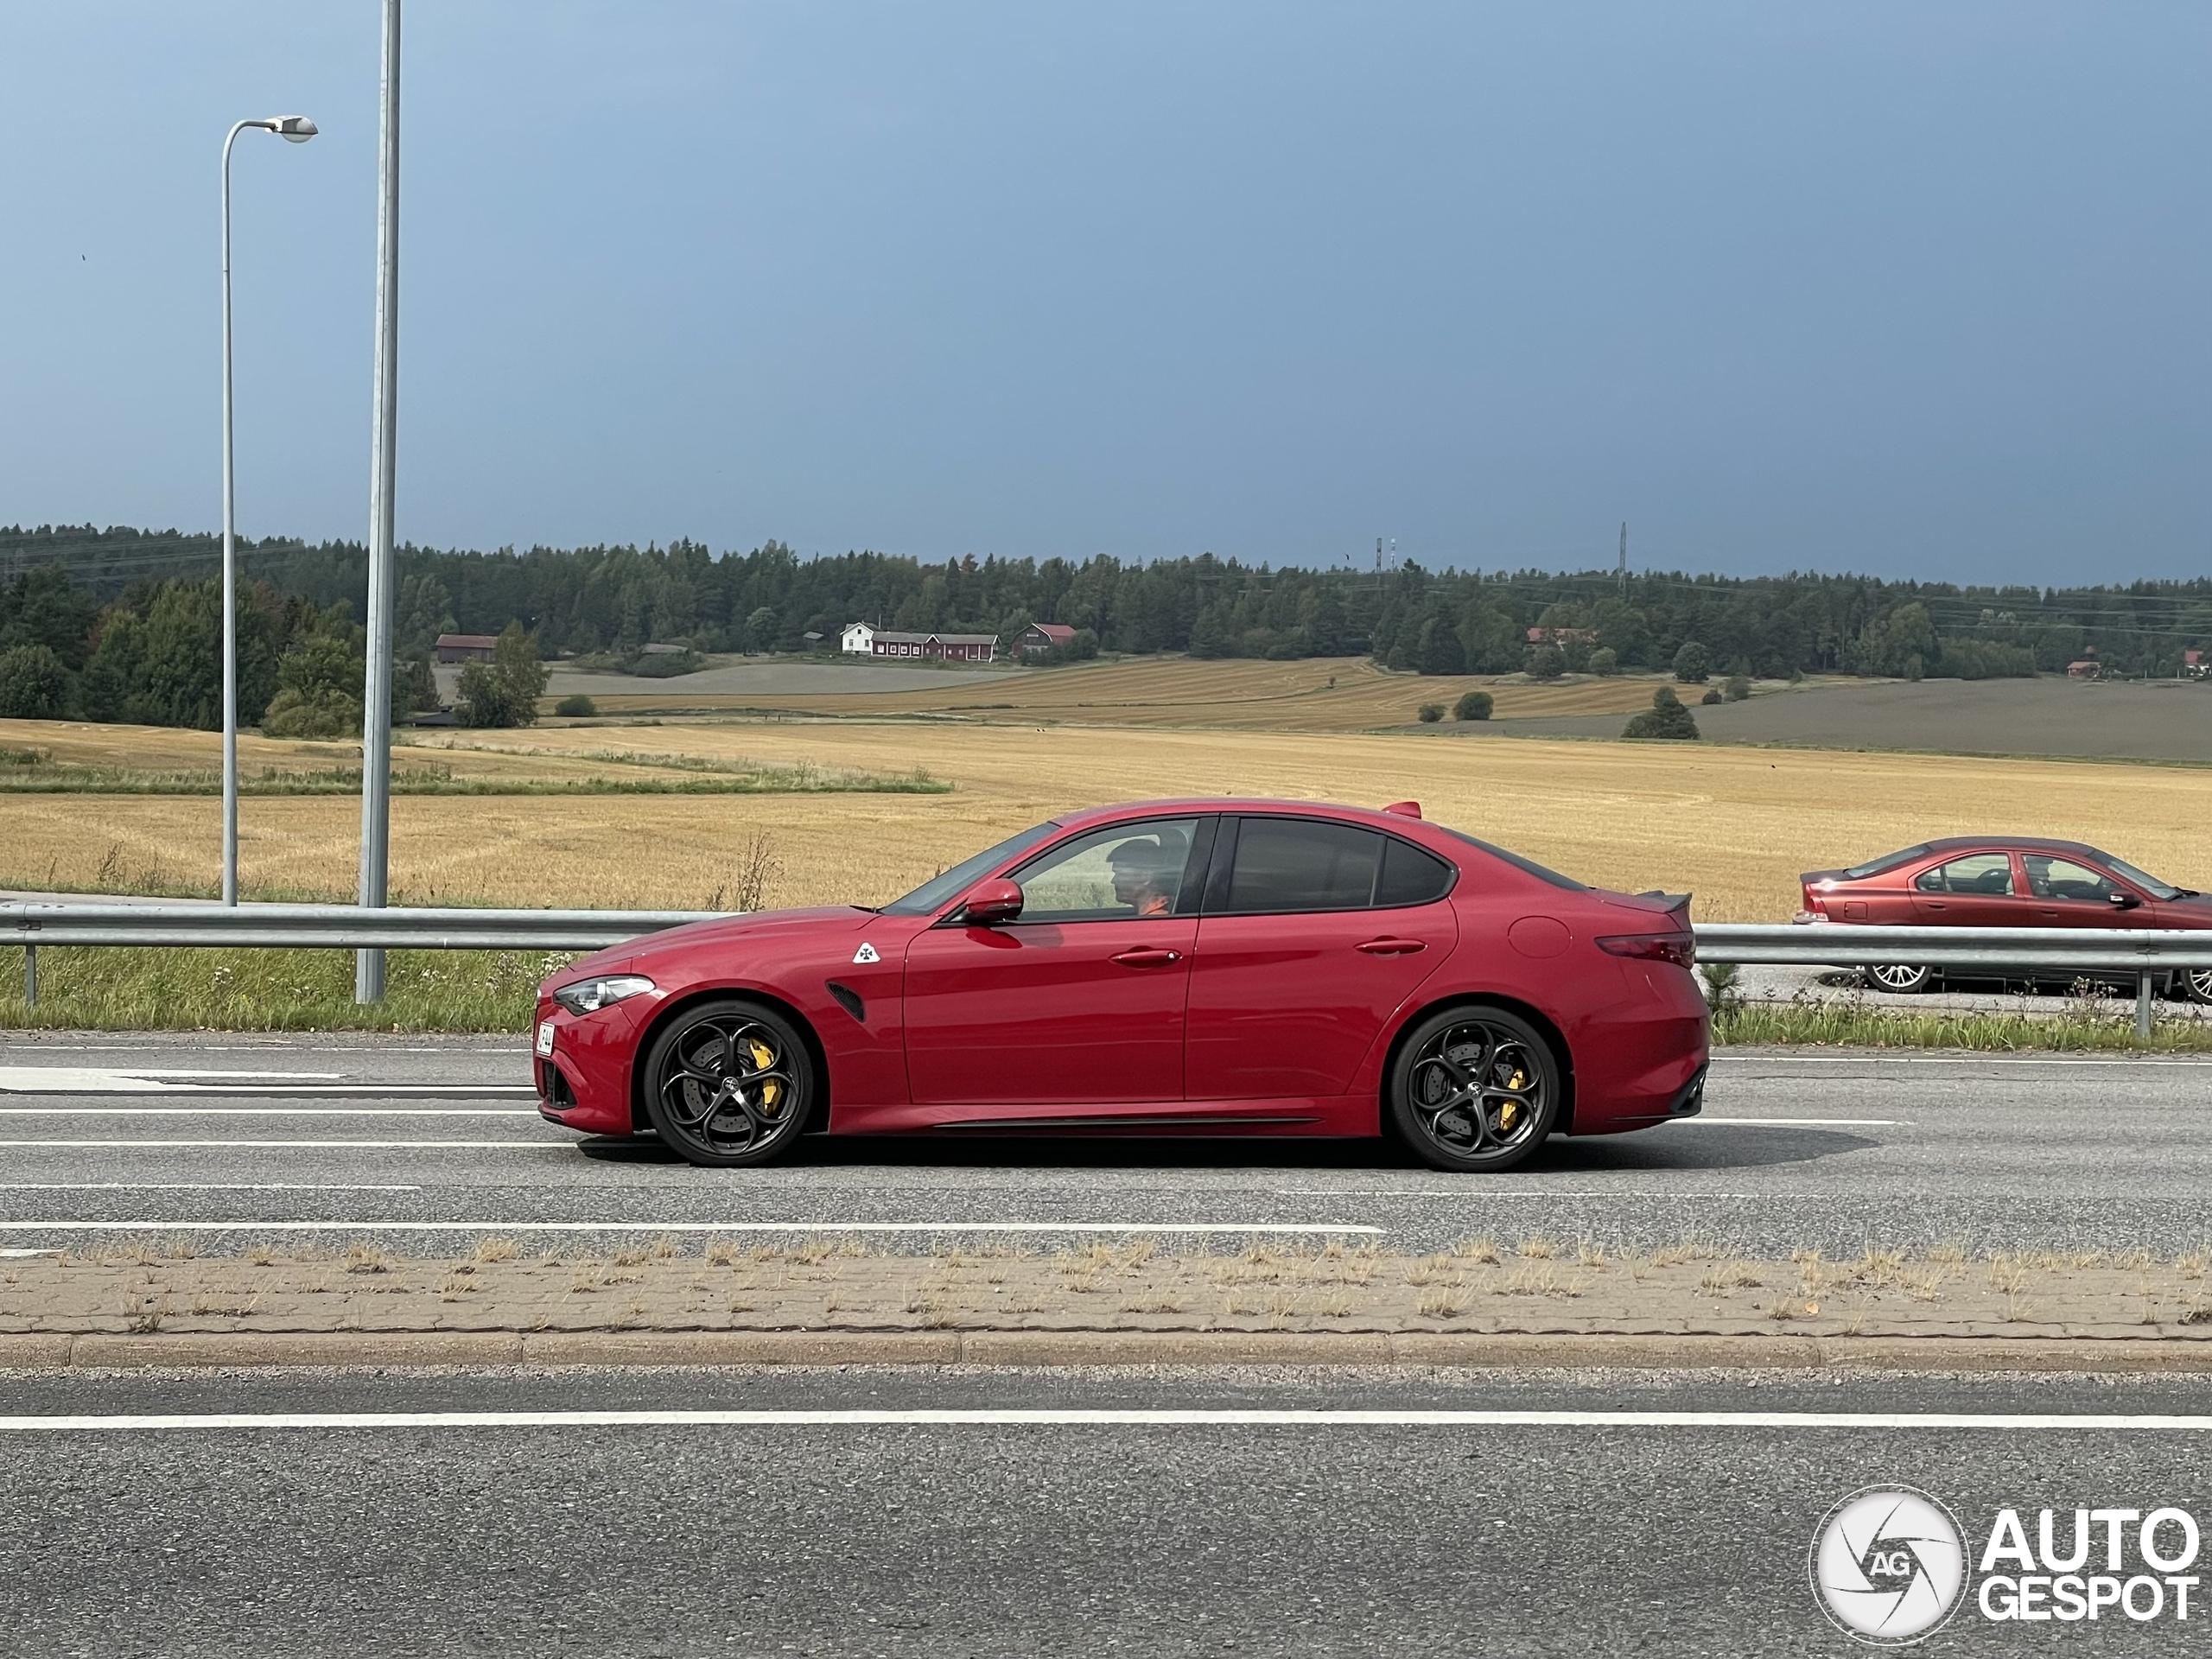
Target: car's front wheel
<point>728,1084</point>
<point>1899,979</point>
<point>2196,984</point>
<point>1475,1089</point>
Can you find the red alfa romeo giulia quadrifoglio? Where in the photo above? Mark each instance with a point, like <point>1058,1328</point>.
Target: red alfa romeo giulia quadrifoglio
<point>1210,967</point>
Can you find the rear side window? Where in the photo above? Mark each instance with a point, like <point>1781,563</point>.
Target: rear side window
<point>1410,876</point>
<point>1302,864</point>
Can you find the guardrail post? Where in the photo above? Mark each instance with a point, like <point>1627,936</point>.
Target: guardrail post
<point>30,976</point>
<point>2143,1006</point>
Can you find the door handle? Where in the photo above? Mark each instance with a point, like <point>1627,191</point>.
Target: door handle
<point>1146,956</point>
<point>1391,947</point>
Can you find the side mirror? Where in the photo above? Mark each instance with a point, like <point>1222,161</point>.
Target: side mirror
<point>991,903</point>
<point>2126,902</point>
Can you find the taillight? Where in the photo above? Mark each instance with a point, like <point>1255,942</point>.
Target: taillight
<point>1680,949</point>
<point>1816,904</point>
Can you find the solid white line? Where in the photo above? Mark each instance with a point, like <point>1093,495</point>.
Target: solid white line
<point>1069,1417</point>
<point>1807,1123</point>
<point>197,1186</point>
<point>1887,1057</point>
<point>290,1091</point>
<point>1479,1192</point>
<point>40,1074</point>
<point>388,1146</point>
<point>293,1226</point>
<point>266,1111</point>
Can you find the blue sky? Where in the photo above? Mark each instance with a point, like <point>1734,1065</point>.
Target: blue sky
<point>1916,289</point>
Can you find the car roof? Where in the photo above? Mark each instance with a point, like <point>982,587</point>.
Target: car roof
<point>1953,843</point>
<point>1373,817</point>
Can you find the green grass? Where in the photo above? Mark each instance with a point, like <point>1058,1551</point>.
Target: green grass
<point>133,988</point>
<point>708,780</point>
<point>1816,1025</point>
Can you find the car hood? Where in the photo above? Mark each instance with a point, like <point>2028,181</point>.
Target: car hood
<point>2196,910</point>
<point>758,927</point>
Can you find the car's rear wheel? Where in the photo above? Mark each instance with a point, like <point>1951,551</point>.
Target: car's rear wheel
<point>1898,979</point>
<point>728,1084</point>
<point>1475,1089</point>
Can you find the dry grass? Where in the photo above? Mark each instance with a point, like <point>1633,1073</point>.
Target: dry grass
<point>1734,824</point>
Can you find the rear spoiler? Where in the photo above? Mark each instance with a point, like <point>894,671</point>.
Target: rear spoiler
<point>1676,902</point>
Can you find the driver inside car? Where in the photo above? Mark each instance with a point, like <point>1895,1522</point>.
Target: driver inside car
<point>1147,874</point>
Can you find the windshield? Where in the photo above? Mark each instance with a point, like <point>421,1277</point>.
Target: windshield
<point>2150,884</point>
<point>933,894</point>
<point>1527,866</point>
<point>1889,862</point>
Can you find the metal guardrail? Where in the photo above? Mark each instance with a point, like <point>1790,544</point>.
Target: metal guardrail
<point>2143,953</point>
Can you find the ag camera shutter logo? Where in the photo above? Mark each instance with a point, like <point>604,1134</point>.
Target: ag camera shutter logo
<point>1889,1566</point>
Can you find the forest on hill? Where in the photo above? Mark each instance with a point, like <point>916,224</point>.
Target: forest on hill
<point>81,594</point>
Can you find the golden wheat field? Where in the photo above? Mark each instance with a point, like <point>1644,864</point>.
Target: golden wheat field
<point>1327,694</point>
<point>1735,825</point>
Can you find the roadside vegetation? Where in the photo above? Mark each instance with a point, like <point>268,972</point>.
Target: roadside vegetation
<point>2074,1031</point>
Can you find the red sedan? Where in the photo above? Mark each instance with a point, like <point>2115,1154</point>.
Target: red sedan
<point>2003,882</point>
<point>1213,967</point>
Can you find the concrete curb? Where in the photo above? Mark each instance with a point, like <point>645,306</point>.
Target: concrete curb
<point>409,1350</point>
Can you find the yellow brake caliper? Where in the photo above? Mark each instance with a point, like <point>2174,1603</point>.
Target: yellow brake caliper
<point>771,1091</point>
<point>1510,1113</point>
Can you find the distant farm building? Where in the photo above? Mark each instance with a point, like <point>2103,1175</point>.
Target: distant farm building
<point>1041,636</point>
<point>1562,636</point>
<point>2089,667</point>
<point>949,648</point>
<point>859,638</point>
<point>466,647</point>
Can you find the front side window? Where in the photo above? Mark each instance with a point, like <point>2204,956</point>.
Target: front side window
<point>2063,880</point>
<point>1128,871</point>
<point>941,889</point>
<point>1984,873</point>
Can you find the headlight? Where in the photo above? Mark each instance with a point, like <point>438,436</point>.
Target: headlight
<point>589,995</point>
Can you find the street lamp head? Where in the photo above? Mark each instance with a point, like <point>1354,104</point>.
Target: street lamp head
<point>293,128</point>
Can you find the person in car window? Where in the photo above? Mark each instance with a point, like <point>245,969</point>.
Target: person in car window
<point>1147,874</point>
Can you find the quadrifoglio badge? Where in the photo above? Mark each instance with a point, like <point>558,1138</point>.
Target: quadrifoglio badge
<point>1890,1565</point>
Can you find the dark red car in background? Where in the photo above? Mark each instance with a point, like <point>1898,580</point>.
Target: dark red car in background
<point>1214,967</point>
<point>2003,882</point>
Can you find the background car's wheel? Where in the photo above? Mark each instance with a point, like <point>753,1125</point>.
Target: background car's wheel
<point>2196,984</point>
<point>728,1082</point>
<point>1475,1089</point>
<point>1898,978</point>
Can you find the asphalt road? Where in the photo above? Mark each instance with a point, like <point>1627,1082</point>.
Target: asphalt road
<point>423,1143</point>
<point>1031,1537</point>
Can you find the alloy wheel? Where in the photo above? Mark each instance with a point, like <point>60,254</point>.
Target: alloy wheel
<point>1898,977</point>
<point>728,1085</point>
<point>1478,1091</point>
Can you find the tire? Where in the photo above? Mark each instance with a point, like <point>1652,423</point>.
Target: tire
<point>704,1116</point>
<point>1899,980</point>
<point>1475,1089</point>
<point>2194,984</point>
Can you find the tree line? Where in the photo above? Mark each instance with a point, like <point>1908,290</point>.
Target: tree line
<point>125,616</point>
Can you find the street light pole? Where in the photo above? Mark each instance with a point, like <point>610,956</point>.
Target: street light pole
<point>376,700</point>
<point>298,129</point>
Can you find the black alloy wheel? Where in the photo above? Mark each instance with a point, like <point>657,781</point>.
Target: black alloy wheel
<point>729,1084</point>
<point>1475,1089</point>
<point>1899,979</point>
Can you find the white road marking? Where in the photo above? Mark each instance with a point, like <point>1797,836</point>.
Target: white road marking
<point>52,1080</point>
<point>1071,1417</point>
<point>266,1111</point>
<point>1888,1057</point>
<point>199,1186</point>
<point>1480,1192</point>
<point>385,1146</point>
<point>1807,1123</point>
<point>296,1226</point>
<point>12,1255</point>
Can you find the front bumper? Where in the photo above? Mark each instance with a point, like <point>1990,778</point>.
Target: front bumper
<point>584,1083</point>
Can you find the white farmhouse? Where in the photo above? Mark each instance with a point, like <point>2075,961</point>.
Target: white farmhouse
<point>860,640</point>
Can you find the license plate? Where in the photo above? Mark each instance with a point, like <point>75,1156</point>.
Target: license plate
<point>544,1038</point>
